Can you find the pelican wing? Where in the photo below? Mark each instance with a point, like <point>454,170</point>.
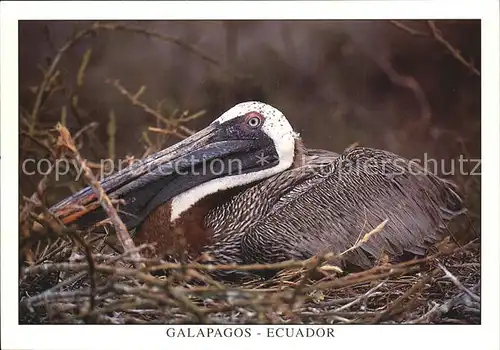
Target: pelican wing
<point>329,208</point>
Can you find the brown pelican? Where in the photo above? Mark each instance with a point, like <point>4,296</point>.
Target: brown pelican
<point>245,190</point>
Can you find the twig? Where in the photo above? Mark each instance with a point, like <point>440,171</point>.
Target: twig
<point>64,283</point>
<point>318,260</point>
<point>36,269</point>
<point>174,40</point>
<point>122,233</point>
<point>136,102</point>
<point>361,297</point>
<point>393,308</point>
<point>39,143</point>
<point>456,282</point>
<point>410,83</point>
<point>187,304</point>
<point>57,226</point>
<point>362,277</point>
<point>50,72</point>
<point>111,130</point>
<point>82,274</point>
<point>73,295</point>
<point>438,36</point>
<point>188,117</point>
<point>166,132</point>
<point>31,202</point>
<point>428,316</point>
<point>164,37</point>
<point>83,67</point>
<point>436,32</point>
<point>408,29</point>
<point>366,237</point>
<point>89,126</point>
<point>383,271</point>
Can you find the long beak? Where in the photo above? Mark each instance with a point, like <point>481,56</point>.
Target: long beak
<point>139,184</point>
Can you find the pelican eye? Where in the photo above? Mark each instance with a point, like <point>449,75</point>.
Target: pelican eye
<point>254,119</point>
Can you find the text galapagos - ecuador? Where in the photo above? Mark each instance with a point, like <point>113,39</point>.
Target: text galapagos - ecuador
<point>230,332</point>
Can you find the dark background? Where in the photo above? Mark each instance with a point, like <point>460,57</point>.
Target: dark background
<point>338,82</point>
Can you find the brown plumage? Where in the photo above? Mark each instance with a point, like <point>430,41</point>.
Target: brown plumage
<point>190,233</point>
<point>306,213</point>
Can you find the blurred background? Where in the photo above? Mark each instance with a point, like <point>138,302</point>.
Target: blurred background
<point>410,87</point>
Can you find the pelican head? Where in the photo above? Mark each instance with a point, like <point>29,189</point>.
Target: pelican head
<point>249,142</point>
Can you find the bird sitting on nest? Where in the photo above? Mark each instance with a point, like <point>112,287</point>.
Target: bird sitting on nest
<point>245,190</point>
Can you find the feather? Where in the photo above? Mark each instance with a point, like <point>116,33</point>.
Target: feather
<point>330,203</point>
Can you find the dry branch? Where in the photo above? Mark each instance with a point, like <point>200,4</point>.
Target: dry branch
<point>65,141</point>
<point>361,297</point>
<point>438,36</point>
<point>408,29</point>
<point>457,283</point>
<point>49,74</point>
<point>164,37</point>
<point>396,306</point>
<point>436,32</point>
<point>410,83</point>
<point>129,291</point>
<point>134,98</point>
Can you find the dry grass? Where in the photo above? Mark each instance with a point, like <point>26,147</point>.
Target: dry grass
<point>70,276</point>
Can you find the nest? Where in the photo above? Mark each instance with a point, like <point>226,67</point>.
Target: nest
<point>72,287</point>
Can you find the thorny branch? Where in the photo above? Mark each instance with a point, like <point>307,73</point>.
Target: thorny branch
<point>134,298</point>
<point>438,36</point>
<point>436,32</point>
<point>75,267</point>
<point>134,98</point>
<point>457,283</point>
<point>65,141</point>
<point>319,260</point>
<point>396,306</point>
<point>361,297</point>
<point>51,73</point>
<point>408,29</point>
<point>59,228</point>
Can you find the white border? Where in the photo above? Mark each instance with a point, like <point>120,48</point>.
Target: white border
<point>245,9</point>
<point>152,337</point>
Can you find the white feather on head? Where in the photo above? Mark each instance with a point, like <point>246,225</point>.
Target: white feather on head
<point>277,128</point>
